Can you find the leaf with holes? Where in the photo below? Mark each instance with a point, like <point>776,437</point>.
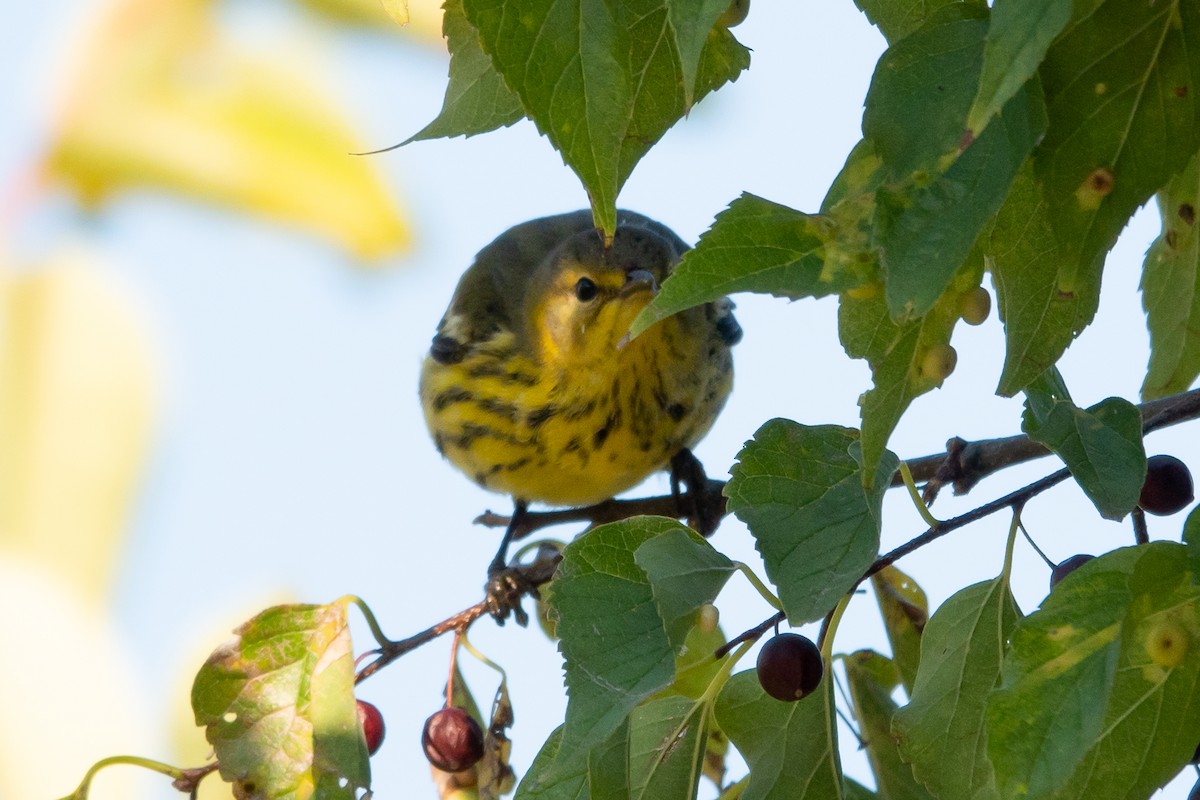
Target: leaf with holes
<point>1171,288</point>
<point>277,704</point>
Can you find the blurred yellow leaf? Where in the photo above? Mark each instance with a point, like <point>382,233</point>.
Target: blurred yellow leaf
<point>161,102</point>
<point>78,392</point>
<point>69,693</point>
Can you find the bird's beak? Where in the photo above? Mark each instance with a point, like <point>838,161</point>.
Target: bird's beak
<point>637,280</point>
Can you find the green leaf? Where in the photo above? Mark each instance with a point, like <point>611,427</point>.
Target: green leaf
<point>608,766</point>
<point>695,666</point>
<point>1102,445</point>
<point>856,791</point>
<point>691,23</point>
<point>1121,86</point>
<point>477,100</point>
<point>897,353</point>
<point>538,784</point>
<point>943,723</point>
<point>753,246</point>
<point>851,205</point>
<point>874,708</point>
<point>905,610</point>
<point>667,737</point>
<point>1090,707</point>
<point>620,629</point>
<point>1018,37</point>
<point>898,18</point>
<point>685,572</point>
<point>791,748</point>
<point>930,238</point>
<point>277,704</point>
<point>1039,320</point>
<point>800,491</point>
<point>604,79</point>
<point>943,188</point>
<point>1171,288</point>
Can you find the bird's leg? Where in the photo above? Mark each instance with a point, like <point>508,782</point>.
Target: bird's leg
<point>705,514</point>
<point>520,507</point>
<point>505,587</point>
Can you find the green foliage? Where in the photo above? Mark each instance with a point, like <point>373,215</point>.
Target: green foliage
<point>636,70</point>
<point>791,747</point>
<point>871,678</point>
<point>1102,445</point>
<point>753,246</point>
<point>814,523</point>
<point>1171,288</point>
<point>905,612</point>
<point>477,99</point>
<point>277,703</point>
<point>652,574</point>
<point>944,721</point>
<point>1085,709</point>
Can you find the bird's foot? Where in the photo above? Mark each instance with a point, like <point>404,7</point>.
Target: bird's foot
<point>703,507</point>
<point>505,588</point>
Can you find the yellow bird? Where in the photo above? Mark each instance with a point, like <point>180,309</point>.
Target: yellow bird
<point>532,386</point>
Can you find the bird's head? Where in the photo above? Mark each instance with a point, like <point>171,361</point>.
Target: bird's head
<point>584,296</point>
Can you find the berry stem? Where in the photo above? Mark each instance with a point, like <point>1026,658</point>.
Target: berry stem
<point>1141,534</point>
<point>458,634</point>
<point>1034,545</point>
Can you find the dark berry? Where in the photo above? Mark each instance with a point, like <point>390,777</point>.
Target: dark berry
<point>371,722</point>
<point>1067,566</point>
<point>789,667</point>
<point>1168,487</point>
<point>452,740</point>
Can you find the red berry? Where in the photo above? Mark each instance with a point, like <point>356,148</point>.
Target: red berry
<point>789,667</point>
<point>452,739</point>
<point>371,722</point>
<point>1168,487</point>
<point>1067,566</point>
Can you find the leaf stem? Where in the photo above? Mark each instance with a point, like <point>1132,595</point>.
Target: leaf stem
<point>829,629</point>
<point>1006,572</point>
<point>470,648</point>
<point>757,583</point>
<point>369,616</point>
<point>915,495</point>
<point>185,779</point>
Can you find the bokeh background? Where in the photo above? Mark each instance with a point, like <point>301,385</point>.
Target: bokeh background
<point>212,317</point>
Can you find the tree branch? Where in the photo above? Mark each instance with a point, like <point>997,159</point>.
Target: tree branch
<point>962,465</point>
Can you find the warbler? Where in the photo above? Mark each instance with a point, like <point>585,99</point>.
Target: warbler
<point>532,386</point>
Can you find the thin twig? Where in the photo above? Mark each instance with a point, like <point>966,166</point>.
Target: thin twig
<point>532,575</point>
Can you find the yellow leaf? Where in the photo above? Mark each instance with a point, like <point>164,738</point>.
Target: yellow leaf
<point>163,103</point>
<point>69,692</point>
<point>78,392</point>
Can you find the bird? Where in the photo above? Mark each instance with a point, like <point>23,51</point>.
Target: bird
<point>532,386</point>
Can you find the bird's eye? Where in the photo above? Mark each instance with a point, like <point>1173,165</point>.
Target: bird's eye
<point>585,289</point>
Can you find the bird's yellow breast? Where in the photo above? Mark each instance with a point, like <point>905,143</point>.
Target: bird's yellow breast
<point>577,433</point>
